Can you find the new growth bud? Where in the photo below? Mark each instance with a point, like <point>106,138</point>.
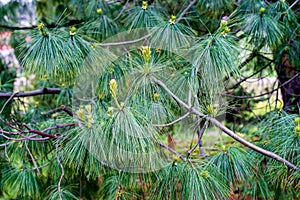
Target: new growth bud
<point>155,97</point>
<point>43,32</point>
<point>73,31</point>
<point>144,5</point>
<point>262,10</point>
<point>99,11</point>
<point>172,20</point>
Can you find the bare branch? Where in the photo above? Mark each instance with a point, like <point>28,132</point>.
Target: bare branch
<point>58,126</point>
<point>62,172</point>
<point>172,150</point>
<point>244,79</point>
<point>40,132</point>
<point>61,108</point>
<point>200,134</point>
<point>125,42</point>
<point>250,145</point>
<point>295,2</point>
<point>266,93</point>
<point>228,131</point>
<point>185,10</point>
<point>32,158</point>
<point>8,100</point>
<point>173,122</point>
<point>31,93</point>
<point>121,12</point>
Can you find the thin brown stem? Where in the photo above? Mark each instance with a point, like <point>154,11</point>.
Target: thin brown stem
<point>185,10</point>
<point>32,158</point>
<point>173,122</point>
<point>172,151</point>
<point>226,130</point>
<point>200,134</point>
<point>31,93</point>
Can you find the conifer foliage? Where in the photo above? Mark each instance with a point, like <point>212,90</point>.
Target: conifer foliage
<point>128,98</point>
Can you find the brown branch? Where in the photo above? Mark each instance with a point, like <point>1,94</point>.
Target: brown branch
<point>293,4</point>
<point>40,91</point>
<point>125,42</point>
<point>185,10</point>
<point>61,108</point>
<point>58,126</point>
<point>62,171</point>
<point>250,145</point>
<point>228,131</point>
<point>173,122</point>
<point>172,150</point>
<point>121,12</point>
<point>39,132</point>
<point>8,100</point>
<point>32,158</point>
<point>266,93</point>
<point>200,134</point>
<point>244,79</point>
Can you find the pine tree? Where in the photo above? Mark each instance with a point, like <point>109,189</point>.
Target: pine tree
<point>128,98</point>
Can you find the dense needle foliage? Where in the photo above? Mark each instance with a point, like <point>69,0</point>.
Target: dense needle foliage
<point>129,99</point>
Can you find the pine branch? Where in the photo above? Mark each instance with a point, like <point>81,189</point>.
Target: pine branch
<point>244,79</point>
<point>295,2</point>
<point>57,126</point>
<point>266,93</point>
<point>39,132</point>
<point>8,100</point>
<point>226,130</point>
<point>61,108</point>
<point>173,122</point>
<point>185,10</point>
<point>62,172</point>
<point>32,158</point>
<point>40,91</point>
<point>250,145</point>
<point>172,151</point>
<point>121,12</point>
<point>200,134</point>
<point>125,42</point>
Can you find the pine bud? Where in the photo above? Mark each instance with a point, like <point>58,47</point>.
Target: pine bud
<point>110,111</point>
<point>223,23</point>
<point>172,20</point>
<point>155,97</point>
<point>41,26</point>
<point>73,31</point>
<point>88,108</point>
<point>99,11</point>
<point>54,115</point>
<point>227,30</point>
<point>144,5</point>
<point>80,114</point>
<point>262,10</point>
<point>204,174</point>
<point>113,87</point>
<point>146,52</point>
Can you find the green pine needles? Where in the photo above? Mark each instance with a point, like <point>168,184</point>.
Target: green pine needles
<point>49,53</point>
<point>129,100</point>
